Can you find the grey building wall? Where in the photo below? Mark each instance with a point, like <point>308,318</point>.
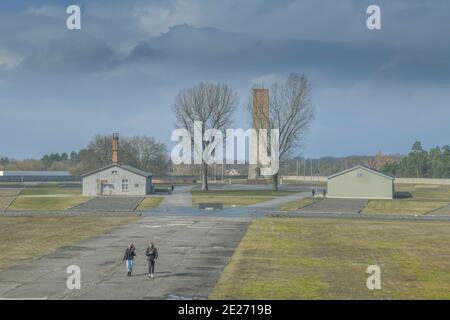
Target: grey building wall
<point>362,184</point>
<point>113,179</point>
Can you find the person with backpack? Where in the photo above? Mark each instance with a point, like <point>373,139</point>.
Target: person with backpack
<point>152,256</point>
<point>128,258</point>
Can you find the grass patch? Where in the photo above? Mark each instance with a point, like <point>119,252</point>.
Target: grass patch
<point>26,237</point>
<point>149,202</point>
<point>230,201</point>
<point>4,202</point>
<point>240,193</point>
<point>407,207</point>
<point>50,190</point>
<point>294,258</point>
<point>425,192</point>
<point>9,192</point>
<point>46,203</point>
<point>298,204</point>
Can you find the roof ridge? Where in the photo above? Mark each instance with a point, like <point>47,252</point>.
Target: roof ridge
<point>123,166</point>
<point>363,167</point>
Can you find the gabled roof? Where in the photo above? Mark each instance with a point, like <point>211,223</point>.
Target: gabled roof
<point>364,168</point>
<point>125,167</point>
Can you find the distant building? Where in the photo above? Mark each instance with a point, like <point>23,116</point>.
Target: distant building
<point>21,176</point>
<point>231,172</point>
<point>116,179</point>
<point>34,173</point>
<point>360,182</point>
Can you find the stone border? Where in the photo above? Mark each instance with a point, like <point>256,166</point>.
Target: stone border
<point>70,213</point>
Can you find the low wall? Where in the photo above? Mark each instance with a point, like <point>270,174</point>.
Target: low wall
<point>305,178</point>
<point>397,180</point>
<point>422,181</point>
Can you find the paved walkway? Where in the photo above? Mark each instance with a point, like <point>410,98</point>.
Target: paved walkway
<point>193,253</point>
<point>279,201</point>
<point>181,197</point>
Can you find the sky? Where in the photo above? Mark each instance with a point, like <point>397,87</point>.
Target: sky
<point>373,90</point>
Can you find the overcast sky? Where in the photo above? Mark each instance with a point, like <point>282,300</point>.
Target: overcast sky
<point>372,89</point>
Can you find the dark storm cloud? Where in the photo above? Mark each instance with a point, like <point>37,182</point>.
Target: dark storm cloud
<point>74,53</point>
<point>131,58</point>
<point>210,47</point>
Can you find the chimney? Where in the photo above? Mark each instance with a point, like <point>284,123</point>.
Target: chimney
<point>115,148</point>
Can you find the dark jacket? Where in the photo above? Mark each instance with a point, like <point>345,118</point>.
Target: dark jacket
<point>152,254</point>
<point>129,254</point>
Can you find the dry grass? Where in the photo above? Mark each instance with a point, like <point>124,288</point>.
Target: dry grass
<point>406,207</point>
<point>46,203</point>
<point>327,259</point>
<point>231,200</point>
<point>50,190</point>
<point>241,193</point>
<point>425,192</point>
<point>8,192</point>
<point>27,237</point>
<point>149,202</point>
<point>4,202</point>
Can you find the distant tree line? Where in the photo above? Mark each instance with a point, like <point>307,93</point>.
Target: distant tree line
<point>141,152</point>
<point>420,163</point>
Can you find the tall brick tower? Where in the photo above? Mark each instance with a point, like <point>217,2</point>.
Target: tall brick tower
<point>260,120</point>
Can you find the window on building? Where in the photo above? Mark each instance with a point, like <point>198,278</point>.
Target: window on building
<point>114,172</point>
<point>136,185</point>
<point>125,184</point>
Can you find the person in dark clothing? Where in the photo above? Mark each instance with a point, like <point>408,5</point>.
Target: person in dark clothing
<point>128,258</point>
<point>313,192</point>
<point>173,187</point>
<point>152,256</point>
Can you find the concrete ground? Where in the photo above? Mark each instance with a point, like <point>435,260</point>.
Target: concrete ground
<point>192,254</point>
<point>181,197</point>
<point>335,206</point>
<point>116,203</point>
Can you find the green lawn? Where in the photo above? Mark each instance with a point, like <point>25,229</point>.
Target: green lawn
<point>50,190</point>
<point>407,207</point>
<point>294,258</point>
<point>149,202</point>
<point>46,203</point>
<point>298,204</point>
<point>230,201</point>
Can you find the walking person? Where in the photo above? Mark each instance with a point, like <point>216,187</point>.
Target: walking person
<point>152,256</point>
<point>128,258</point>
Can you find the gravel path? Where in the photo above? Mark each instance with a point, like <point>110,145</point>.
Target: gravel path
<point>336,206</point>
<point>113,203</point>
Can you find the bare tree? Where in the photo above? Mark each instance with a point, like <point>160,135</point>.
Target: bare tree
<point>142,152</point>
<point>291,112</point>
<point>209,103</point>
